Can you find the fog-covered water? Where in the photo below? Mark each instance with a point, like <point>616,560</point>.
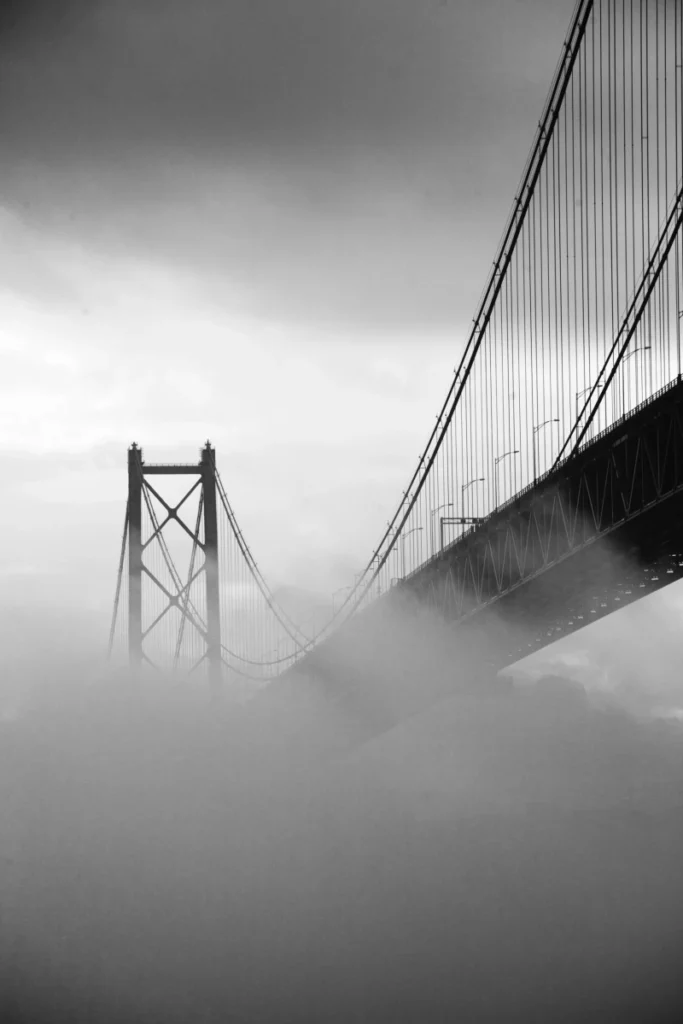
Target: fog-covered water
<point>510,855</point>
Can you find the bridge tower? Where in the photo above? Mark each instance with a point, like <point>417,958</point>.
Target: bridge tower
<point>138,488</point>
<point>213,608</point>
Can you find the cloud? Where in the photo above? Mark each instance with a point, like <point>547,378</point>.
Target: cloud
<point>315,161</point>
<point>256,72</point>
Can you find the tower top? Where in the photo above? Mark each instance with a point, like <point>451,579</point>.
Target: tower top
<point>134,454</point>
<point>207,453</point>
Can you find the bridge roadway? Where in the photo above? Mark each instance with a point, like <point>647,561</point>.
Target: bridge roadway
<point>601,531</point>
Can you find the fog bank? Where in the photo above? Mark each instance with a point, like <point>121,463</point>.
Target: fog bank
<point>514,855</point>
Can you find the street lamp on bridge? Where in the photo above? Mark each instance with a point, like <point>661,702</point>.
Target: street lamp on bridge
<point>456,520</point>
<point>448,504</point>
<point>475,480</point>
<point>638,348</point>
<point>404,537</point>
<point>633,352</point>
<point>463,520</point>
<point>496,463</point>
<point>533,439</point>
<point>579,395</point>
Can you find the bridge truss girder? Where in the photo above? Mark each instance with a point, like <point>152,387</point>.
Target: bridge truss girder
<point>601,531</point>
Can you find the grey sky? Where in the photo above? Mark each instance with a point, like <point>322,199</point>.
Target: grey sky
<point>326,159</point>
<point>259,222</point>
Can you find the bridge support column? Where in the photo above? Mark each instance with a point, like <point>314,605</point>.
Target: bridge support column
<point>135,556</point>
<point>213,612</point>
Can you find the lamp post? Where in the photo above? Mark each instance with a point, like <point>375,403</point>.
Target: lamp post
<point>378,580</point>
<point>404,537</point>
<point>533,439</point>
<point>448,504</point>
<point>475,480</point>
<point>638,348</point>
<point>580,394</point>
<point>457,520</point>
<point>496,463</point>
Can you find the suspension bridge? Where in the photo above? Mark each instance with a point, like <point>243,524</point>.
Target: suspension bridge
<point>549,491</point>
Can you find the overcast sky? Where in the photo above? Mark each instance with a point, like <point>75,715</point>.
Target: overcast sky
<point>264,223</point>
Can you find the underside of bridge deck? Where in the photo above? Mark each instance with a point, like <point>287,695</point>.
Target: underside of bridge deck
<point>603,530</point>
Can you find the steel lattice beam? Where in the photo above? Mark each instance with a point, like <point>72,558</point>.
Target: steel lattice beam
<point>625,488</point>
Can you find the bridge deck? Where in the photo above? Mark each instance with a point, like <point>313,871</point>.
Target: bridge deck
<point>601,530</point>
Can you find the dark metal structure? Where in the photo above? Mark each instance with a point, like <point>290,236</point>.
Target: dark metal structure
<point>139,487</point>
<point>602,530</point>
<point>455,521</point>
<point>559,438</point>
<point>168,610</point>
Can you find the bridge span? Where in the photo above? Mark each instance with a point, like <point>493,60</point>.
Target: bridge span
<point>559,438</point>
<point>601,531</point>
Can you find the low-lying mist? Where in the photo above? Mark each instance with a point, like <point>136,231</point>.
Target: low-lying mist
<point>508,854</point>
